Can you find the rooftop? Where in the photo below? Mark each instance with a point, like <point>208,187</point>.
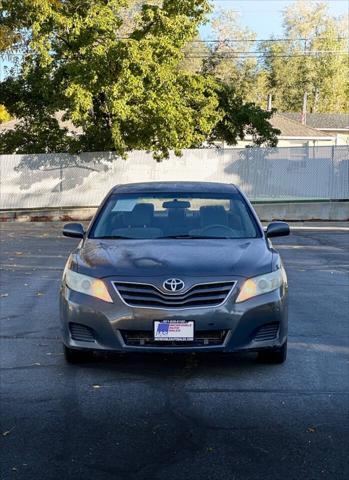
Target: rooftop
<point>289,127</point>
<point>292,128</point>
<point>68,124</point>
<point>323,120</point>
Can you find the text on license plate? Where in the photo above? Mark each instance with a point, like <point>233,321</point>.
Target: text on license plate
<point>174,330</point>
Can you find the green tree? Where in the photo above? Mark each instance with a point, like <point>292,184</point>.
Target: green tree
<point>242,118</point>
<point>229,58</point>
<point>195,54</point>
<point>117,77</point>
<point>311,61</point>
<point>4,115</point>
<point>7,38</point>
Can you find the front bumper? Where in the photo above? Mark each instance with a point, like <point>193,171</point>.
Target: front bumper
<point>241,323</point>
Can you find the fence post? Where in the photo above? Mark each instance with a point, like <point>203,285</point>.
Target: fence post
<point>60,175</point>
<point>332,173</point>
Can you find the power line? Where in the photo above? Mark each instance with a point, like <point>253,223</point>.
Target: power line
<point>270,40</point>
<point>219,41</point>
<point>266,55</point>
<point>253,53</point>
<point>241,40</point>
<point>306,54</point>
<point>238,54</point>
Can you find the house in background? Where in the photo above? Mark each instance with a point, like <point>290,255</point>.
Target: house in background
<point>71,129</point>
<point>335,124</point>
<point>294,134</point>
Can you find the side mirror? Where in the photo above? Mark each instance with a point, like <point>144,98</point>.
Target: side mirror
<point>75,230</point>
<point>277,229</point>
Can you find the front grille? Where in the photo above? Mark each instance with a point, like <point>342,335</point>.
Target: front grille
<point>146,338</point>
<point>267,332</point>
<point>149,296</point>
<point>81,333</point>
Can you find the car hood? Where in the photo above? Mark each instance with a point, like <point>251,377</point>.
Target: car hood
<point>195,258</point>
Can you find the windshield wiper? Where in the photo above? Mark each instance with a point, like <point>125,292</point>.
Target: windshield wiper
<point>121,237</point>
<point>112,237</point>
<point>191,236</point>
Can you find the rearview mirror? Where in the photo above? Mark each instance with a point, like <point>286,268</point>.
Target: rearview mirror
<point>75,230</point>
<point>277,229</point>
<point>176,204</point>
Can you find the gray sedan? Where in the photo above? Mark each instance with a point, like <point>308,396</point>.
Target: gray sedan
<point>174,267</point>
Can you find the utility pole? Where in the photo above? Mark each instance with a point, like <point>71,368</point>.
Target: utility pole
<point>304,111</point>
<point>269,102</point>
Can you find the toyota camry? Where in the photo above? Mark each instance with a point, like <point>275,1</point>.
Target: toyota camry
<point>174,267</point>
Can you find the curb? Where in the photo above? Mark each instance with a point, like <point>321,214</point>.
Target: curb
<point>331,213</point>
<point>69,214</point>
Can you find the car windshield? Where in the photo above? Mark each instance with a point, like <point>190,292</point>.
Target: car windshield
<point>175,215</point>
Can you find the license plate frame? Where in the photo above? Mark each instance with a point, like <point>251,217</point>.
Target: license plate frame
<point>174,331</point>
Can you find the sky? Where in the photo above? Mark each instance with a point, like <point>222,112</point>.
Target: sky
<point>265,16</point>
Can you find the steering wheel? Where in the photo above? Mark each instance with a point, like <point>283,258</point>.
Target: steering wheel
<point>209,228</point>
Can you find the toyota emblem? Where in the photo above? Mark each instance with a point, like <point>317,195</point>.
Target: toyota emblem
<point>173,285</point>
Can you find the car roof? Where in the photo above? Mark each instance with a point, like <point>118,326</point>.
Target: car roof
<point>181,187</point>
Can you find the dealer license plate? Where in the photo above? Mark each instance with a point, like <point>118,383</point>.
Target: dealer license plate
<point>174,330</point>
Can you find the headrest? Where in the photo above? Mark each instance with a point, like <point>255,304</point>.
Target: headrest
<point>213,215</point>
<point>141,215</point>
<point>176,213</point>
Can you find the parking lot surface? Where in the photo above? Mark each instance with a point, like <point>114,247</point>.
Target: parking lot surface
<point>173,416</point>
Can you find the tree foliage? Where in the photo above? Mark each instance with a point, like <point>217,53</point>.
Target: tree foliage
<point>4,115</point>
<point>242,118</point>
<point>115,68</point>
<point>228,60</point>
<point>7,38</point>
<point>296,66</point>
<point>312,57</point>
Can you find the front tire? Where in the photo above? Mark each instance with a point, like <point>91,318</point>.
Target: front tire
<point>276,356</point>
<point>74,356</point>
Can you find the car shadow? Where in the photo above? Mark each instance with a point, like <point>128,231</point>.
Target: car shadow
<point>172,365</point>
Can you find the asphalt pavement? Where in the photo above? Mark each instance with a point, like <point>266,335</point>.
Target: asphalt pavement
<point>189,417</point>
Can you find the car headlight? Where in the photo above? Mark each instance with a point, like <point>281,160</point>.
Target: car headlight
<point>262,284</point>
<point>87,285</point>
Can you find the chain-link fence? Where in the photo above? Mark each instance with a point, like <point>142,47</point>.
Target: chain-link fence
<point>270,174</point>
